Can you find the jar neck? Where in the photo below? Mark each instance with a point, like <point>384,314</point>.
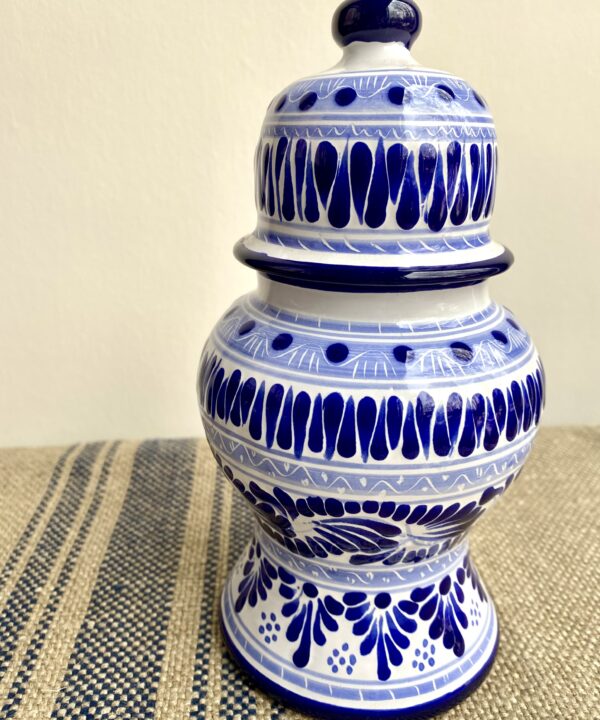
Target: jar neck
<point>406,307</point>
<point>369,56</point>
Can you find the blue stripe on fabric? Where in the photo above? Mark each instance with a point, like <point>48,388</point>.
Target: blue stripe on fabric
<point>36,644</point>
<point>24,596</point>
<point>238,699</point>
<point>205,629</point>
<point>115,666</point>
<point>33,523</point>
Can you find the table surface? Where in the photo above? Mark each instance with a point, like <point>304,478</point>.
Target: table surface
<point>112,557</point>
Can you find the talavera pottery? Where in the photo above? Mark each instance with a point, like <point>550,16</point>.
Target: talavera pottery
<point>369,400</point>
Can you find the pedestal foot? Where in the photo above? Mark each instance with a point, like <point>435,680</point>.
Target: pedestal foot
<point>344,642</point>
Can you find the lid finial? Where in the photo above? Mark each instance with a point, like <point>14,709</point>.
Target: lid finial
<point>377,21</point>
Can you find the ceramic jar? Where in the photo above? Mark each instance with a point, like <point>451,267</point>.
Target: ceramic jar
<point>369,400</point>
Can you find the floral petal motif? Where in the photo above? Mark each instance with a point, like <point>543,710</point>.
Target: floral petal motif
<point>259,576</point>
<point>442,606</point>
<point>312,615</point>
<point>383,625</point>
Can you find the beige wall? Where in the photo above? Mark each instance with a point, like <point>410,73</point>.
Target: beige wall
<point>127,130</point>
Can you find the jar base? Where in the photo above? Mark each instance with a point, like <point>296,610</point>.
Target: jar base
<point>406,651</point>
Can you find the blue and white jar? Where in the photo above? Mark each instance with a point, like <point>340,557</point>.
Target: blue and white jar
<point>369,400</point>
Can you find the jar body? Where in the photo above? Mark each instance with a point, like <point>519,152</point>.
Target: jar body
<point>368,433</point>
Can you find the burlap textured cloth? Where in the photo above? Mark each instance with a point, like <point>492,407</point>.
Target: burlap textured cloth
<point>113,556</point>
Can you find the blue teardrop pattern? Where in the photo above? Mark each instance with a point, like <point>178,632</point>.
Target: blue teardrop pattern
<point>333,408</point>
<point>266,159</point>
<point>527,413</point>
<point>438,214</point>
<point>300,170</point>
<point>425,410</point>
<point>257,414</point>
<point>346,446</point>
<point>512,422</point>
<point>339,209</point>
<point>489,175</point>
<point>284,432</point>
<point>397,158</point>
<point>394,421</point>
<point>492,434</point>
<point>315,435</point>
<point>221,400</point>
<point>439,185</point>
<point>270,200</point>
<point>379,448</point>
<point>246,397</point>
<point>369,428</point>
<point>326,161</point>
<point>454,412</point>
<point>236,410</point>
<point>361,168</point>
<point>311,210</point>
<point>274,400</point>
<point>232,392</point>
<point>427,163</point>
<point>479,195</point>
<point>454,159</point>
<point>460,208</point>
<point>500,409</point>
<point>441,438</point>
<point>379,192</point>
<point>468,440</point>
<point>367,414</point>
<point>478,407</point>
<point>301,414</point>
<point>410,448</point>
<point>289,202</point>
<point>214,391</point>
<point>279,158</point>
<point>409,209</point>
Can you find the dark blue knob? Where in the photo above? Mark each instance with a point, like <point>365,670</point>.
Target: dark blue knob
<point>377,21</point>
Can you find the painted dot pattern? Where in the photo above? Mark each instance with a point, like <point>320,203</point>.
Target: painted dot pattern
<point>500,337</point>
<point>337,353</point>
<point>308,101</point>
<point>345,97</point>
<point>269,628</point>
<point>246,327</point>
<point>424,657</point>
<point>403,354</point>
<point>342,660</point>
<point>447,93</point>
<point>396,95</point>
<point>282,342</point>
<point>462,352</point>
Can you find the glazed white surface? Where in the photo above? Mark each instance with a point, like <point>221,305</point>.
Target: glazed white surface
<point>376,307</point>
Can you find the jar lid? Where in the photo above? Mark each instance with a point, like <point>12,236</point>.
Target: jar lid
<point>379,174</point>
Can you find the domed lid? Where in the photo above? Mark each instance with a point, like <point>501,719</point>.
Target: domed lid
<point>377,175</point>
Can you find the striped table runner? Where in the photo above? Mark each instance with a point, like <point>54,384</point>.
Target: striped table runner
<point>113,555</point>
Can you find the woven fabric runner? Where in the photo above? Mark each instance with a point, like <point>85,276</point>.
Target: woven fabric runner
<point>112,559</point>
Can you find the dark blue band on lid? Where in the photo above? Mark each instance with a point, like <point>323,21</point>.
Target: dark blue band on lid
<point>377,21</point>
<point>365,279</point>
